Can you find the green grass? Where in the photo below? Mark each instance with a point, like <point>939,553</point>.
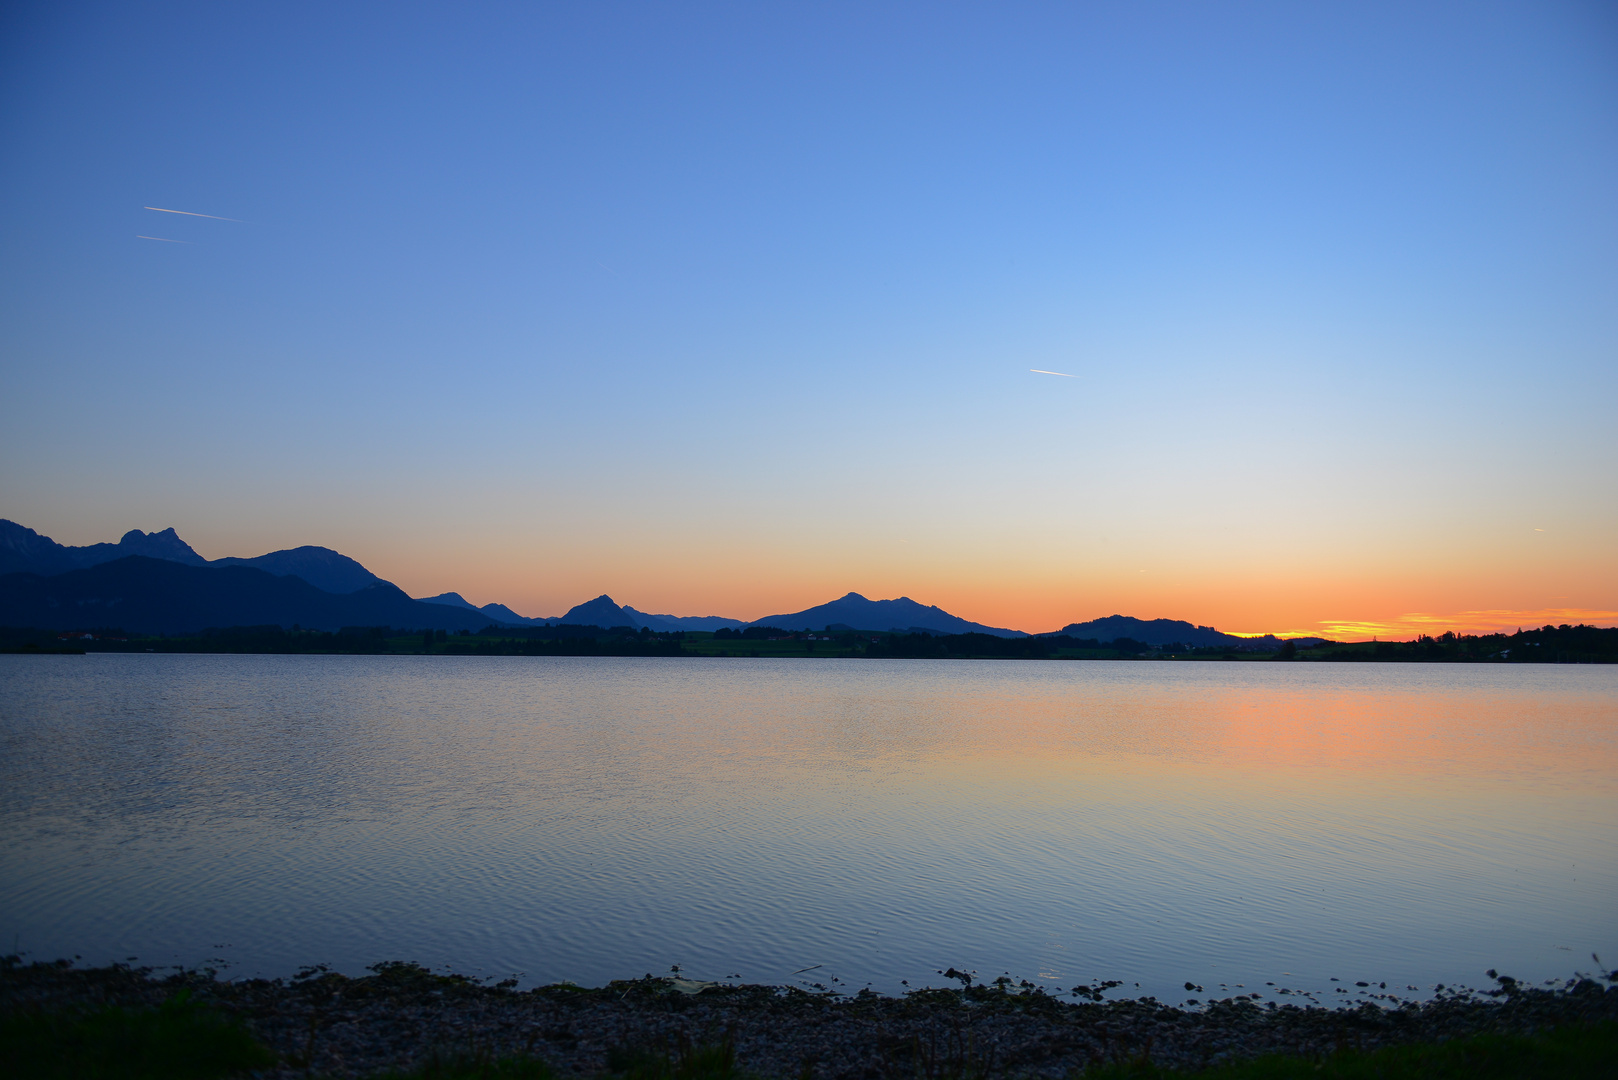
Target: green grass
<point>179,1040</point>
<point>686,1061</point>
<point>1569,1053</point>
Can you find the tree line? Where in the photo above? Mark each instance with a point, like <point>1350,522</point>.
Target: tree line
<point>1547,644</point>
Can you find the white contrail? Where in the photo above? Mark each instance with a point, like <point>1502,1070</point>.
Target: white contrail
<point>1042,371</point>
<point>188,213</point>
<point>165,239</point>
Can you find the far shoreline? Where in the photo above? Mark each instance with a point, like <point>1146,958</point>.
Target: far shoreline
<point>1546,645</point>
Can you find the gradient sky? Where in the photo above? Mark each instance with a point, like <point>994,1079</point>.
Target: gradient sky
<point>730,309</point>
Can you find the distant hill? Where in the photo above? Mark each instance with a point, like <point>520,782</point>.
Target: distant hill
<point>1170,632</point>
<point>1151,632</point>
<point>497,612</point>
<point>506,615</point>
<point>161,596</point>
<point>453,599</point>
<point>321,567</point>
<point>682,622</point>
<point>855,612</point>
<point>603,611</point>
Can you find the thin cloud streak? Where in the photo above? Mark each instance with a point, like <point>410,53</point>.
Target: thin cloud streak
<point>165,239</point>
<point>188,213</point>
<point>1041,371</point>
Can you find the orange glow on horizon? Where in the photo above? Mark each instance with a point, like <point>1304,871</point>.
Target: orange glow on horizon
<point>1494,621</point>
<point>755,585</point>
<point>1338,595</point>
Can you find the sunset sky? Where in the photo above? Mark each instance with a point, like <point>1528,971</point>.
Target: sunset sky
<point>733,308</point>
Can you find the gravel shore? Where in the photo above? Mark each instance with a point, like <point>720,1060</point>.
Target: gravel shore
<point>329,1025</point>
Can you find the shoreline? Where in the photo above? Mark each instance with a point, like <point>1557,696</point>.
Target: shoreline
<point>1239,658</point>
<point>1546,645</point>
<point>403,1016</point>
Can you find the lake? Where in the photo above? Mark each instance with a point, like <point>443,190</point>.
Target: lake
<point>873,822</point>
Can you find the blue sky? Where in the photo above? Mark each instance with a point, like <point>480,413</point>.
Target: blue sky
<point>732,308</point>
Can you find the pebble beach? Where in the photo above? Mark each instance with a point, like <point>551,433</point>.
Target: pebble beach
<point>402,1016</point>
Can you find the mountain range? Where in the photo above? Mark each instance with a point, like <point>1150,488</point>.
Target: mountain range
<point>601,611</point>
<point>22,550</point>
<point>159,596</point>
<point>157,583</point>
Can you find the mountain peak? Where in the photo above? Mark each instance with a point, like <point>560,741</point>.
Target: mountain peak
<point>325,569</point>
<point>135,536</point>
<point>157,545</point>
<point>24,549</point>
<point>903,614</point>
<point>600,612</point>
<point>450,599</point>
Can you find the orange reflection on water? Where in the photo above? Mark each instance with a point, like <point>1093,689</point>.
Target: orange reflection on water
<point>1432,733</point>
<point>1473,722</point>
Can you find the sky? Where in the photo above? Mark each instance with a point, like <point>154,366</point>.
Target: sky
<point>734,308</point>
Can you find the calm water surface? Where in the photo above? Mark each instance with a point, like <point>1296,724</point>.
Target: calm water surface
<point>590,819</point>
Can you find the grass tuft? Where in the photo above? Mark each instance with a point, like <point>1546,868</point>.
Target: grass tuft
<point>685,1060</point>
<point>178,1040</point>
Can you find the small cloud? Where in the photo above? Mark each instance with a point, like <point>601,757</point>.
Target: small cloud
<point>165,239</point>
<point>1041,371</point>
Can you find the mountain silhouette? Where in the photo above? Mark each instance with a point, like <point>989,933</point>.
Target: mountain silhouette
<point>453,599</point>
<point>161,596</point>
<point>35,570</point>
<point>22,549</point>
<point>498,612</point>
<point>501,613</point>
<point>600,612</point>
<point>855,612</point>
<point>603,611</point>
<point>1169,632</point>
<point>682,622</point>
<point>321,567</point>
